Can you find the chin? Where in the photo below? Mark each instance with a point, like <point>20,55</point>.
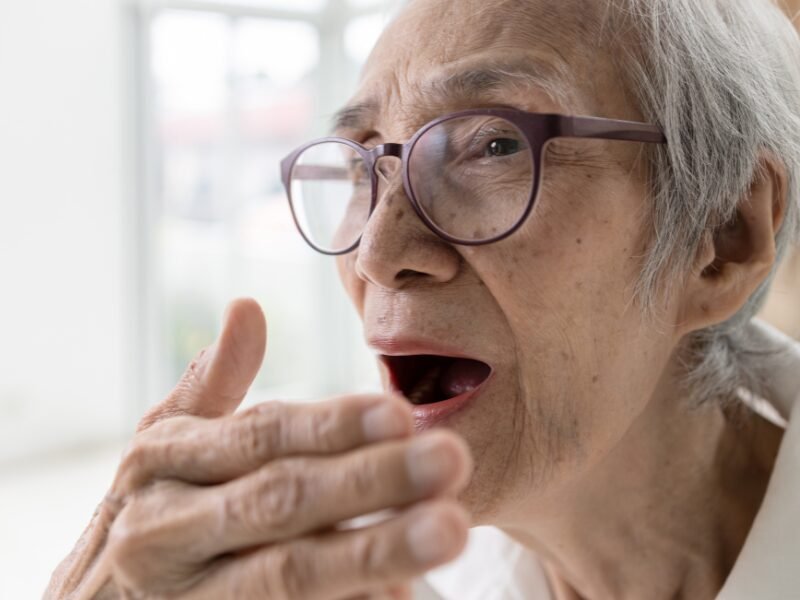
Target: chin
<point>493,424</point>
<point>473,398</point>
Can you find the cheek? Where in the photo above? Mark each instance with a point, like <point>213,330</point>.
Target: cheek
<point>574,261</point>
<point>565,284</point>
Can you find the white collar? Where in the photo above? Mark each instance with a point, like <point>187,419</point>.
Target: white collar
<point>768,567</point>
<point>494,567</point>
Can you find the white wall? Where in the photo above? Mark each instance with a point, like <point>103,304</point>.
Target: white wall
<point>63,224</point>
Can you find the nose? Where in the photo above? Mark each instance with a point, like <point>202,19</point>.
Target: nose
<point>396,248</point>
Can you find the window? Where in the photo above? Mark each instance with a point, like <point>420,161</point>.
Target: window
<point>228,94</point>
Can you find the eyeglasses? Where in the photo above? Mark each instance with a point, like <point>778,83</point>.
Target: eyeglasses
<point>472,177</point>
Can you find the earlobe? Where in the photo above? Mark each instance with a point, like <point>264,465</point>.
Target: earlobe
<point>733,261</point>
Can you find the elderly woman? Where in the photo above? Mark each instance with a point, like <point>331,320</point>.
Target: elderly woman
<point>556,220</point>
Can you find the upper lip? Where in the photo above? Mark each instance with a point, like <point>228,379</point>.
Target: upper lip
<point>390,348</point>
<point>410,346</point>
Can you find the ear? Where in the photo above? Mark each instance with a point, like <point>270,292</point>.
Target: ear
<point>732,262</point>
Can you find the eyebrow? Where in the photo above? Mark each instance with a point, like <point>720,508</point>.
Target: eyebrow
<point>354,116</point>
<point>487,78</point>
<point>469,85</point>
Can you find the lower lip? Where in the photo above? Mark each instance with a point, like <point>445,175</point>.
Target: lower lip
<point>427,416</point>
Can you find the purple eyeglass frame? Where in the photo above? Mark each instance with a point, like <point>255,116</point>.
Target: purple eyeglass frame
<point>538,128</point>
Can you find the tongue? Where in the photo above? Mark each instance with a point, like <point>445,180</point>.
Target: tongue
<point>462,376</point>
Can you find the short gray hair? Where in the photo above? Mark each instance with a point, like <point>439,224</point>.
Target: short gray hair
<point>722,78</point>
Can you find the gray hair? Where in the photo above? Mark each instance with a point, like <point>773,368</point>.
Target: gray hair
<point>722,78</point>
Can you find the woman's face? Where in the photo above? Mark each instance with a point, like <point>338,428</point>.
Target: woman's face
<point>549,309</point>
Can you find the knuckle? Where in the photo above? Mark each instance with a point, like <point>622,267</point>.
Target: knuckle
<point>133,466</point>
<point>280,576</point>
<point>284,491</point>
<point>272,503</point>
<point>146,449</point>
<point>259,434</point>
<point>364,476</point>
<point>133,455</point>
<point>325,427</point>
<point>368,555</point>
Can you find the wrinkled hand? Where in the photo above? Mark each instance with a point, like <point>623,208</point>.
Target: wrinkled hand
<point>210,504</point>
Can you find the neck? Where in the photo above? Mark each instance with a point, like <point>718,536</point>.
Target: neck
<point>665,514</point>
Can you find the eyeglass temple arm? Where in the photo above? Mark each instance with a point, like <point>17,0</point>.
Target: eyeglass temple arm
<point>610,129</point>
<point>320,172</point>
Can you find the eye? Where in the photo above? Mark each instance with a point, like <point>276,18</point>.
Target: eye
<point>502,147</point>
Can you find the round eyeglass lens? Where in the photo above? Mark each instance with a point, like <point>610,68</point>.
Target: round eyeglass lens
<point>472,176</point>
<point>331,195</point>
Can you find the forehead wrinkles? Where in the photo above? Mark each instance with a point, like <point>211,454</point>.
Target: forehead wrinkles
<point>451,29</point>
<point>521,71</point>
<point>431,39</point>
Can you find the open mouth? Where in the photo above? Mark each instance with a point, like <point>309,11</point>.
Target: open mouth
<point>428,379</point>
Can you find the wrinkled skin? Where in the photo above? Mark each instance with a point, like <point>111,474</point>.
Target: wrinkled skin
<point>207,504</point>
<point>576,437</point>
<point>584,450</point>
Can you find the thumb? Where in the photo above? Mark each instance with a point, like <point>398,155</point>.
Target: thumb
<point>218,378</point>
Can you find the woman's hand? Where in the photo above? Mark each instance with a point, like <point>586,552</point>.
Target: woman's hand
<point>208,504</point>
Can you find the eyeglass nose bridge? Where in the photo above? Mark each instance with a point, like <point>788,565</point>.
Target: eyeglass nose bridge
<point>396,150</point>
<point>390,150</point>
<point>400,152</point>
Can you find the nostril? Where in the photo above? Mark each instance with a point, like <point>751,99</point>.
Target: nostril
<point>408,274</point>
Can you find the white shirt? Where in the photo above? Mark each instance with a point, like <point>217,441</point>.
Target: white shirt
<point>494,567</point>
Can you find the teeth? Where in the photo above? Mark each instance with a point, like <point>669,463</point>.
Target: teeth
<point>425,385</point>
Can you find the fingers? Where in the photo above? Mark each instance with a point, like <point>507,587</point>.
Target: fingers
<point>343,564</point>
<point>217,380</point>
<point>185,526</point>
<point>295,497</point>
<point>219,450</point>
<point>398,592</point>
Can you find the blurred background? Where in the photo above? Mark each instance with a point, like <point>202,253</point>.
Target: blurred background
<point>139,192</point>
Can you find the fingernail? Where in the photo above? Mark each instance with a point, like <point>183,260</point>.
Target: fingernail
<point>430,463</point>
<point>429,539</point>
<point>382,422</point>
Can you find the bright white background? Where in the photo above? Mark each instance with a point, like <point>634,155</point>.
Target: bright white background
<point>139,144</point>
<point>139,192</point>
